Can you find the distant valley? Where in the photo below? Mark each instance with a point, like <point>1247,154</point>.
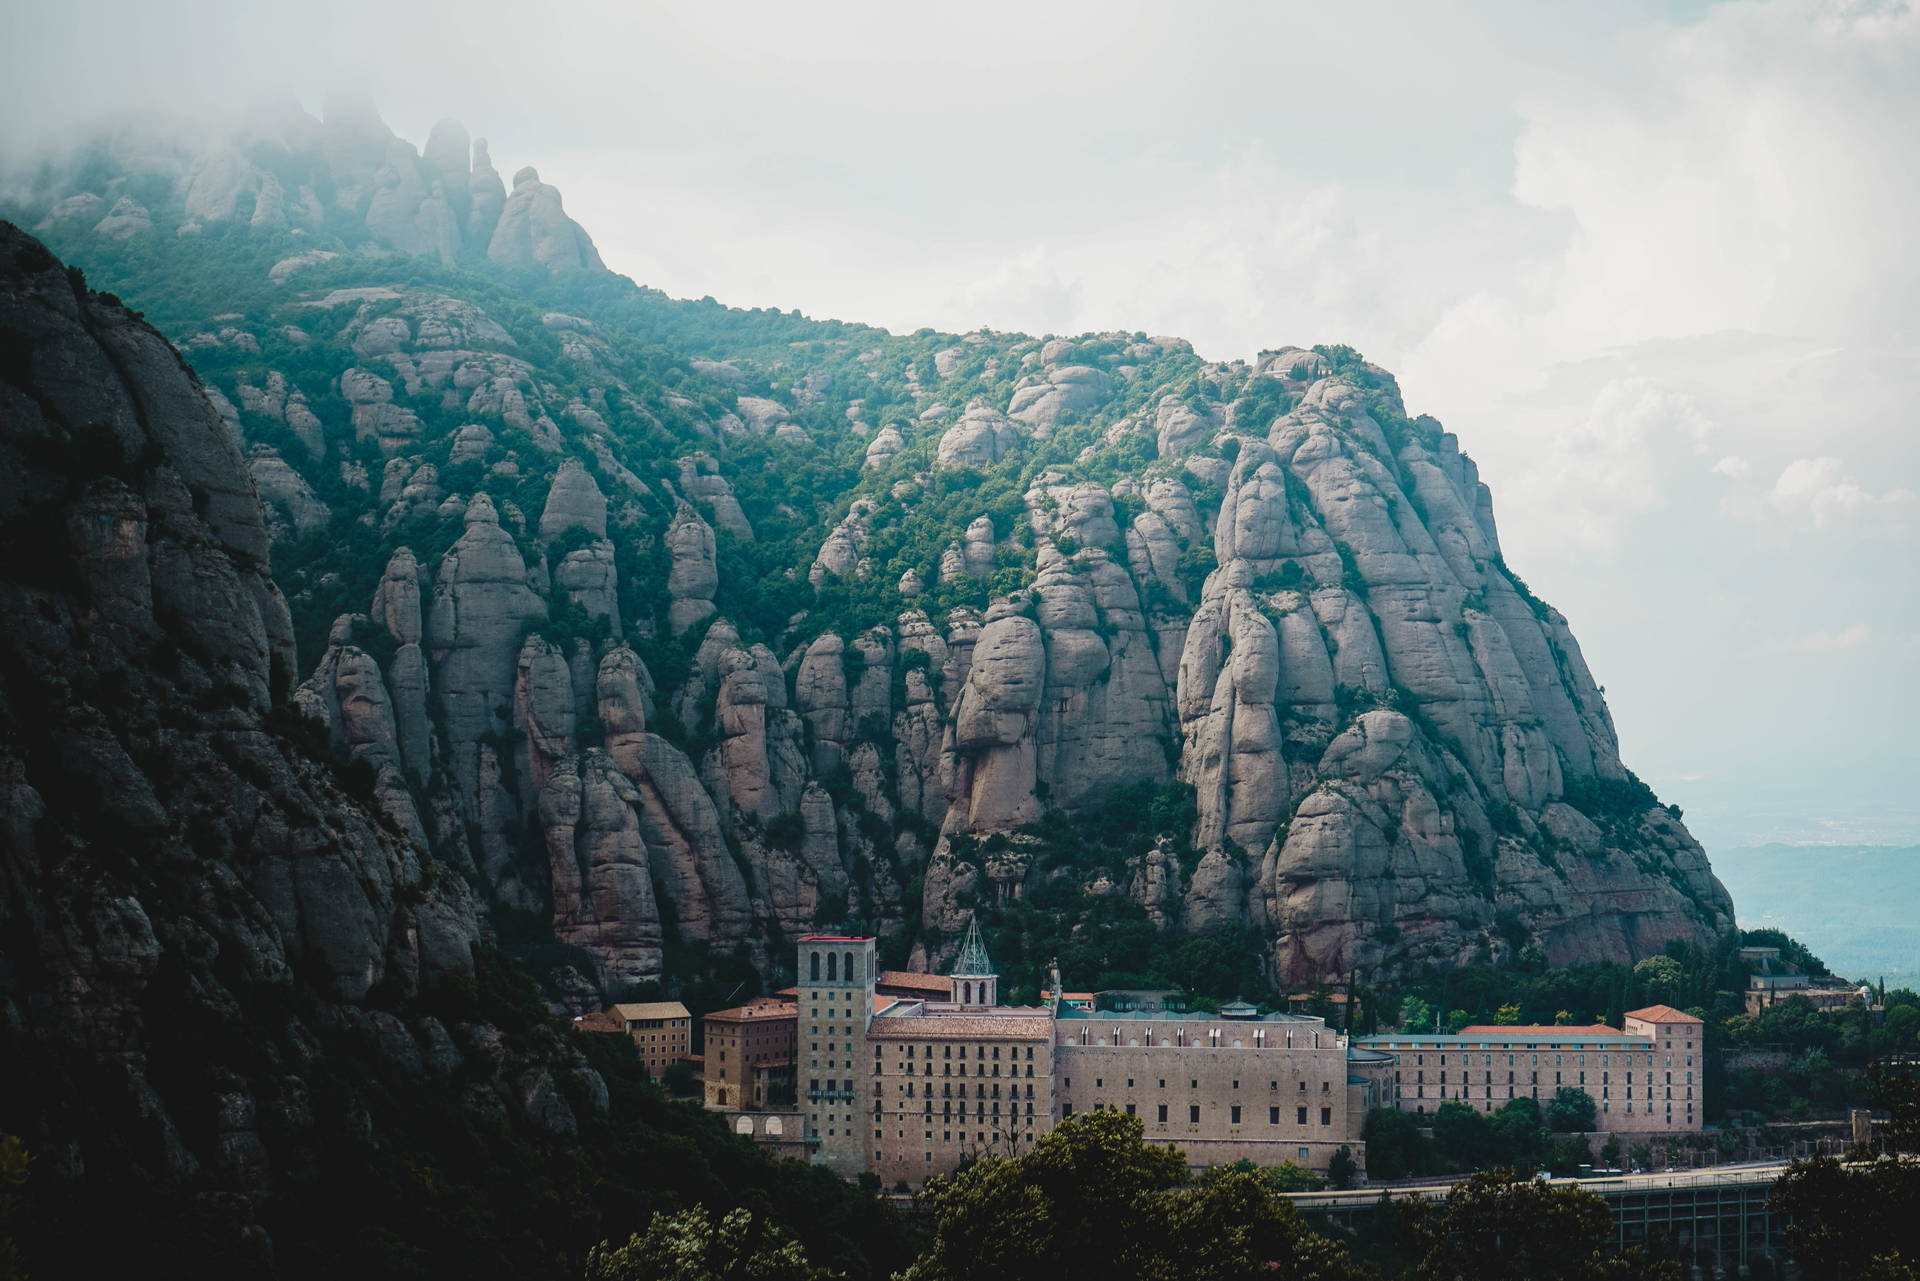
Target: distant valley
<point>1852,904</point>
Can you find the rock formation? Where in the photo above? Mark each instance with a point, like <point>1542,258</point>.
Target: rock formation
<point>992,586</point>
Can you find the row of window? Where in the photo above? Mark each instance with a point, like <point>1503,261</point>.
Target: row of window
<point>948,1110</point>
<point>1013,1069</point>
<point>980,1091</point>
<point>979,1051</point>
<point>1193,1083</point>
<point>833,966</point>
<point>1420,1092</point>
<point>1233,1118</point>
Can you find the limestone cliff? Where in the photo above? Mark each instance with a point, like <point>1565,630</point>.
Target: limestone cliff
<point>222,939</point>
<point>680,630</point>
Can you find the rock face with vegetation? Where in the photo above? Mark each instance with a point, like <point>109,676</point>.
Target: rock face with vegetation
<point>242,1000</point>
<point>678,630</point>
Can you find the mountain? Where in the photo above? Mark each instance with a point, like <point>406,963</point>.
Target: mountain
<point>679,630</point>
<point>243,1012</point>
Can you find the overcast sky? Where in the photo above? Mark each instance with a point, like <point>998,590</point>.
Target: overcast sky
<point>1658,264</point>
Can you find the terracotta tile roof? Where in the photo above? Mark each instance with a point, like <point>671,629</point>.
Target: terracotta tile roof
<point>1539,1031</point>
<point>652,1010</point>
<point>599,1021</point>
<point>1662,1014</point>
<point>1035,1026</point>
<point>755,1012</point>
<point>915,982</point>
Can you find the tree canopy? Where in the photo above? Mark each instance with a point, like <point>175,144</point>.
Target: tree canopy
<point>1092,1198</point>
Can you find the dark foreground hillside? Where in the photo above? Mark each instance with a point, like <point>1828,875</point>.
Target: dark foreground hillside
<point>245,1025</point>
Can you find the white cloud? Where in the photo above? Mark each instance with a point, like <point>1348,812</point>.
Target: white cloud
<point>1818,492</point>
<point>1732,465</point>
<point>1577,485</point>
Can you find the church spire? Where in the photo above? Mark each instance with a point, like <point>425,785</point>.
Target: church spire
<point>973,960</point>
<point>974,982</point>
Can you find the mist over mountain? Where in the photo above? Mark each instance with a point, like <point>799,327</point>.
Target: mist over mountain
<point>678,630</point>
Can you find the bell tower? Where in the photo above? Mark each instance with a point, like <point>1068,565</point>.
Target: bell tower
<point>975,985</point>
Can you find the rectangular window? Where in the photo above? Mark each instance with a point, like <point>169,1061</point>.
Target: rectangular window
<point>1299,1116</point>
<point>1163,1114</point>
<point>1326,1116</point>
<point>1129,1109</point>
<point>1193,1114</point>
<point>1236,1116</point>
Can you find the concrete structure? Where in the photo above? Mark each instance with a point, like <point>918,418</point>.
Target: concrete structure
<point>1267,1088</point>
<point>1645,1078</point>
<point>749,1054</point>
<point>1722,1218</point>
<point>1777,980</point>
<point>837,1003</point>
<point>779,1131</point>
<point>661,1030</point>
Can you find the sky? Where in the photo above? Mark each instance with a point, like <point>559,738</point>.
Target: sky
<point>1656,264</point>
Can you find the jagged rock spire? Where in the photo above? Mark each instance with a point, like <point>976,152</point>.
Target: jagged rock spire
<point>973,961</point>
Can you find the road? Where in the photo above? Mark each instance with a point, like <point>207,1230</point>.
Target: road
<point>1605,1185</point>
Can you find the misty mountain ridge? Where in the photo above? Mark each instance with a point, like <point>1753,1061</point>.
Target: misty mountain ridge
<point>676,631</point>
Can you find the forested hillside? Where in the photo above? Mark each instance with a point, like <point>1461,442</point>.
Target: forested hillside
<point>676,630</point>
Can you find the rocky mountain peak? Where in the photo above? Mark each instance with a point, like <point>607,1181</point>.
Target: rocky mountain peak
<point>681,630</point>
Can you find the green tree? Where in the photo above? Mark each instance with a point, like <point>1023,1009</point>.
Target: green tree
<point>1395,1146</point>
<point>1092,1198</point>
<point>1463,1136</point>
<point>1898,1091</point>
<point>1520,1133</point>
<point>1571,1111</point>
<point>1849,1223</point>
<point>1501,1226</point>
<point>1660,978</point>
<point>1342,1169</point>
<point>1416,1015</point>
<point>689,1246</point>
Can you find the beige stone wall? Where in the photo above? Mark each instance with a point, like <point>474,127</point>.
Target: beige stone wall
<point>937,1097</point>
<point>734,1048</point>
<point>831,1059</point>
<point>1634,1088</point>
<point>1293,1101</point>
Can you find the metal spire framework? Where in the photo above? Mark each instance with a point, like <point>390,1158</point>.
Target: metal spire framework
<point>973,961</point>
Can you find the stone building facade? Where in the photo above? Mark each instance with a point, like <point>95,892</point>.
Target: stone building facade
<point>1266,1088</point>
<point>836,1007</point>
<point>944,1080</point>
<point>661,1030</point>
<point>1647,1077</point>
<point>748,1055</point>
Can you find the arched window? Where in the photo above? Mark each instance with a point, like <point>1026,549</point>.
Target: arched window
<point>832,967</point>
<point>815,967</point>
<point>967,994</point>
<point>849,967</point>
